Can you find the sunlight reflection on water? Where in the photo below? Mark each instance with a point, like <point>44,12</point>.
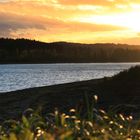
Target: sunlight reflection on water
<point>21,76</point>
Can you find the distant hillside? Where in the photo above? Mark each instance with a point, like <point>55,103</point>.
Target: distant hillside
<point>31,51</point>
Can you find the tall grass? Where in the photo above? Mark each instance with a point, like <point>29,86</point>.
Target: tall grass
<point>98,125</point>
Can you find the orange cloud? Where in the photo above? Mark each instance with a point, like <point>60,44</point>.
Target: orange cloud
<point>54,20</point>
<point>12,22</point>
<point>98,2</point>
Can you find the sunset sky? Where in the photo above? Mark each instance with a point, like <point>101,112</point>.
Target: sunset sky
<point>85,21</point>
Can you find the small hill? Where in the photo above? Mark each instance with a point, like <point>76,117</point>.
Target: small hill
<point>122,89</point>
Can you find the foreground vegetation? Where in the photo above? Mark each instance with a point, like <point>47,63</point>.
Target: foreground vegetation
<point>96,124</point>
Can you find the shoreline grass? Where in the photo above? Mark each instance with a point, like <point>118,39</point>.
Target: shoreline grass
<point>97,125</point>
<point>61,126</point>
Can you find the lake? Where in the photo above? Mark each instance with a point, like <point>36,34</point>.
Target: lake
<point>20,76</point>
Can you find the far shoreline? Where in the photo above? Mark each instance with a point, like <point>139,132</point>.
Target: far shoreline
<point>123,62</point>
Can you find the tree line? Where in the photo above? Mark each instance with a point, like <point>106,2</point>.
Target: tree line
<point>31,51</point>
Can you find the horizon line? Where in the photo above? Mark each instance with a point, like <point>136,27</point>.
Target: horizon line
<point>73,42</point>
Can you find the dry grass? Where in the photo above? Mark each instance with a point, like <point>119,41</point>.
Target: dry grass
<point>97,125</point>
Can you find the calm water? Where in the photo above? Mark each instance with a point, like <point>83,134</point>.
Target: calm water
<point>21,76</point>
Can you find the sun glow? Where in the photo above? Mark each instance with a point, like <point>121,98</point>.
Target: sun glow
<point>128,20</point>
<point>86,21</point>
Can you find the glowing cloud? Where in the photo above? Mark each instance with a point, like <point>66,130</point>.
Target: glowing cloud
<point>71,20</point>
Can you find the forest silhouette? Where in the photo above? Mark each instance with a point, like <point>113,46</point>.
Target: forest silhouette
<point>31,51</point>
